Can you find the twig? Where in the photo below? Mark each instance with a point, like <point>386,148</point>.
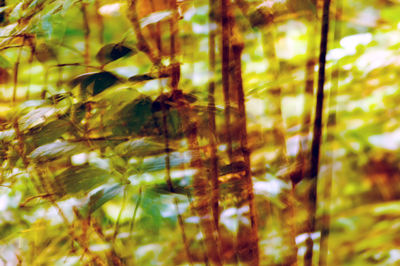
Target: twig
<point>132,223</point>
<point>116,227</point>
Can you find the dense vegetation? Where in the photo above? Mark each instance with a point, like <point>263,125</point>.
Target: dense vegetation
<point>230,132</point>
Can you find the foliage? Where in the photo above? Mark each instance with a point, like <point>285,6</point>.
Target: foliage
<point>115,149</point>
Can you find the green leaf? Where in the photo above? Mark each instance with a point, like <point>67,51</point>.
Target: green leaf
<point>156,17</point>
<point>50,132</point>
<point>143,77</point>
<point>36,117</point>
<point>6,229</point>
<point>162,188</point>
<point>4,63</point>
<point>175,127</point>
<point>155,164</point>
<point>112,52</point>
<point>133,116</point>
<point>99,81</point>
<point>55,150</point>
<point>81,179</point>
<point>16,13</point>
<point>140,148</point>
<point>99,198</point>
<point>36,3</point>
<point>7,135</point>
<point>151,206</point>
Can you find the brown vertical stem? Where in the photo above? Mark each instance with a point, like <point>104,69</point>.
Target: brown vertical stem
<point>156,31</point>
<point>170,184</point>
<point>45,82</point>
<point>30,61</point>
<point>200,183</point>
<point>175,67</point>
<point>16,71</point>
<point>142,44</point>
<point>99,21</point>
<point>289,212</point>
<point>86,32</point>
<point>225,46</point>
<point>202,191</point>
<point>252,249</point>
<point>211,119</point>
<point>203,247</point>
<point>317,133</point>
<point>174,30</point>
<point>183,233</point>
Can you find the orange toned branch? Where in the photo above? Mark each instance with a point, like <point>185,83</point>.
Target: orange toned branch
<point>142,43</point>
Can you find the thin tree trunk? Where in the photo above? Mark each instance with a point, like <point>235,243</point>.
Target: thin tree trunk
<point>201,190</point>
<point>174,30</point>
<point>317,133</point>
<point>211,118</point>
<point>326,219</point>
<point>248,241</point>
<point>170,184</point>
<point>225,46</point>
<point>200,182</point>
